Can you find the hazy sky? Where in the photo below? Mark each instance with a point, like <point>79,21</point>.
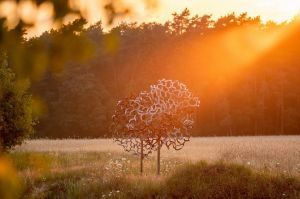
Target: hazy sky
<point>276,10</point>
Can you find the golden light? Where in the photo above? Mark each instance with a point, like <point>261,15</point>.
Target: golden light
<point>6,10</point>
<point>43,20</point>
<point>289,10</point>
<point>227,57</point>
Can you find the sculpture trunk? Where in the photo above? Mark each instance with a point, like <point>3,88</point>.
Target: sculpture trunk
<point>158,156</point>
<point>142,155</point>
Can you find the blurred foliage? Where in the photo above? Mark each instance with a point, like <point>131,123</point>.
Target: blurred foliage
<point>10,184</point>
<point>48,53</point>
<point>112,12</point>
<point>16,120</point>
<point>57,47</point>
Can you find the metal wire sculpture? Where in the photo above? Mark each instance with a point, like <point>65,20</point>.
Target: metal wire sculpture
<point>161,116</point>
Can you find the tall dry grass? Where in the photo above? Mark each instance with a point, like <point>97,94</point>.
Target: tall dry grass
<point>275,153</point>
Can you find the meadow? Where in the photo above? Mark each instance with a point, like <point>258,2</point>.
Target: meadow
<point>209,167</point>
<point>277,153</point>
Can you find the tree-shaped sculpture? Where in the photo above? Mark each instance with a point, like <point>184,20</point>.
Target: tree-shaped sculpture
<point>159,117</point>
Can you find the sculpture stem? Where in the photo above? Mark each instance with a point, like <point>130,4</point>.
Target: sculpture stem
<point>158,156</point>
<point>142,155</point>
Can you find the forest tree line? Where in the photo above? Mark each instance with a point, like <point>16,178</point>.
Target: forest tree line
<point>245,72</point>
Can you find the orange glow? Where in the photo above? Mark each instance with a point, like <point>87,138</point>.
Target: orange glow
<point>226,57</point>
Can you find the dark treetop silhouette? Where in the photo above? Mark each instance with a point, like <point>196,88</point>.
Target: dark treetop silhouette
<point>161,116</point>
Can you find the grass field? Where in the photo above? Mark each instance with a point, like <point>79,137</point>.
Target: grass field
<point>250,167</point>
<point>278,153</point>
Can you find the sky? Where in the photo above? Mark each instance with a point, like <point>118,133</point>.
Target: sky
<point>277,10</point>
<point>159,10</point>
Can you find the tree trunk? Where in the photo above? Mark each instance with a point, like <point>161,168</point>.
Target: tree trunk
<point>158,156</point>
<point>142,155</point>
